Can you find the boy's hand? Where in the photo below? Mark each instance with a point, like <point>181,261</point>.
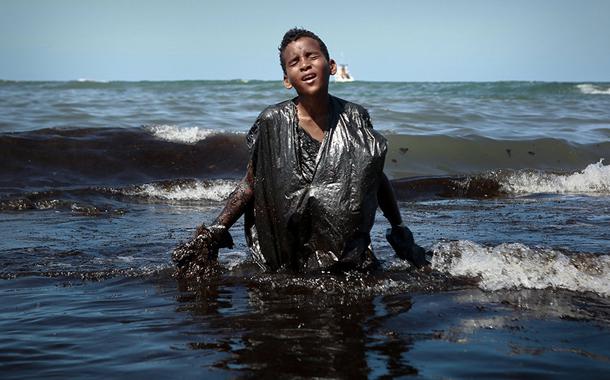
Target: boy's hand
<point>401,239</point>
<point>217,235</point>
<point>199,254</point>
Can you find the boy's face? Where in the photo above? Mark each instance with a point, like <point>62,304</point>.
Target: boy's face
<point>307,70</point>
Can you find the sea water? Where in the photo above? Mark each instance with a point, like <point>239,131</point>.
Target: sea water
<point>507,182</point>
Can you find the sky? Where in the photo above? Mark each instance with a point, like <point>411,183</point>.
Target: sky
<point>381,40</point>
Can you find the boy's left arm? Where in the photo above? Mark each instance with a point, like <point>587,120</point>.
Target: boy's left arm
<point>399,236</point>
<point>387,201</point>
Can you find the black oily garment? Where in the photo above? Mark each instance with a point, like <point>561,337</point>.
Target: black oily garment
<point>309,148</point>
<point>313,210</point>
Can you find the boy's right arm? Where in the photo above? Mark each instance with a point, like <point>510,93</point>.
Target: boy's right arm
<point>195,255</point>
<point>218,233</point>
<point>236,203</point>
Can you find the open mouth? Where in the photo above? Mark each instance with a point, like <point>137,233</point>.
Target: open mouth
<point>308,77</point>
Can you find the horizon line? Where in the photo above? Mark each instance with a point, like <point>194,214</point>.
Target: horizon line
<point>243,80</point>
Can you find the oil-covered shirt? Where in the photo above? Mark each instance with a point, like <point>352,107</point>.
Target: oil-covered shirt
<point>313,213</point>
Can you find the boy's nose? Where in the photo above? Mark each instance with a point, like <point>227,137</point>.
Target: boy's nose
<point>305,65</point>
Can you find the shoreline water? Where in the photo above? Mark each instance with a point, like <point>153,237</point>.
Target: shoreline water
<point>149,327</point>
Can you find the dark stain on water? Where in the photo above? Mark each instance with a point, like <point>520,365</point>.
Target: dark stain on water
<point>447,187</point>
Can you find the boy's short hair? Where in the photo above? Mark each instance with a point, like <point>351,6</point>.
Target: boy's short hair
<point>293,35</point>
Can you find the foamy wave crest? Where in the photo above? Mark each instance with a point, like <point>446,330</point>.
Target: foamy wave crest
<point>87,80</point>
<point>183,190</point>
<point>518,266</point>
<point>189,135</point>
<point>595,178</point>
<point>591,89</point>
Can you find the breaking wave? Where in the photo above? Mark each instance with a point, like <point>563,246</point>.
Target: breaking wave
<point>182,190</point>
<point>514,265</point>
<point>93,200</point>
<point>187,135</point>
<point>87,80</point>
<point>591,89</point>
<point>595,178</point>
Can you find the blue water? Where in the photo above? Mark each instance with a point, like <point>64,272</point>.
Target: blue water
<point>576,112</point>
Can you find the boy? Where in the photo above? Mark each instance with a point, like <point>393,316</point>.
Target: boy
<point>315,177</point>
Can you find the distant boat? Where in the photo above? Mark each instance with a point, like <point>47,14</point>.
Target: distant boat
<point>343,74</point>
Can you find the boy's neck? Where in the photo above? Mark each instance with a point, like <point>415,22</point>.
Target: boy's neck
<point>313,107</point>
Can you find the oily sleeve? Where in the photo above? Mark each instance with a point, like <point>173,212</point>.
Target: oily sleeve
<point>251,138</point>
<point>263,120</point>
<point>359,114</point>
<point>366,117</point>
<point>252,142</point>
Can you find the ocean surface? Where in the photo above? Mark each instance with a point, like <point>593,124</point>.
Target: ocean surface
<point>507,182</point>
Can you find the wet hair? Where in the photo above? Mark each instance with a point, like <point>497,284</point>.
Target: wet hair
<point>293,35</point>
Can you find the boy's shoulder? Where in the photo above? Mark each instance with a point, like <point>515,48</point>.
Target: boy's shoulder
<point>349,107</point>
<point>354,111</point>
<point>274,110</point>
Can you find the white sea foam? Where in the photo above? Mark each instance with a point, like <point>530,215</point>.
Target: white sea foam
<point>233,259</point>
<point>86,80</point>
<point>183,191</point>
<point>515,265</point>
<point>590,89</point>
<point>595,178</point>
<point>189,135</point>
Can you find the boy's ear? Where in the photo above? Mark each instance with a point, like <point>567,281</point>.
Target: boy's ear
<point>287,83</point>
<point>333,66</point>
